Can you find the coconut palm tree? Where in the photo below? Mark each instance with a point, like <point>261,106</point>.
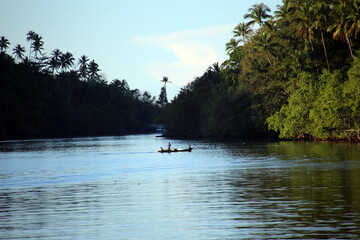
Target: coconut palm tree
<point>66,61</point>
<point>93,75</point>
<point>232,46</point>
<point>30,36</point>
<point>319,23</point>
<point>55,60</point>
<point>341,24</point>
<point>93,70</point>
<point>4,44</point>
<point>83,68</point>
<point>165,80</point>
<point>242,30</point>
<point>18,51</point>
<point>283,11</point>
<point>258,14</point>
<point>303,23</point>
<point>37,45</point>
<point>264,43</point>
<point>163,95</point>
<point>354,18</point>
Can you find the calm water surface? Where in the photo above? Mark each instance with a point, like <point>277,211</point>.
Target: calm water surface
<point>122,188</point>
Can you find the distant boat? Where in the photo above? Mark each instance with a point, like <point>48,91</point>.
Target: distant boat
<point>160,129</point>
<point>175,150</point>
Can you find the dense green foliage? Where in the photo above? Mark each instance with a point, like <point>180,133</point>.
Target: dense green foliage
<point>45,96</point>
<point>297,75</point>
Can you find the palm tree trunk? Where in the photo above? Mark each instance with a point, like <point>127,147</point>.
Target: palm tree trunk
<point>311,45</point>
<point>323,42</point>
<point>349,44</point>
<point>30,53</point>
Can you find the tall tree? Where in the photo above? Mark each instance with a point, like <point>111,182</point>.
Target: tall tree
<point>163,96</point>
<point>4,44</point>
<point>232,46</point>
<point>165,80</point>
<point>83,67</point>
<point>66,61</point>
<point>55,60</point>
<point>283,11</point>
<point>354,18</point>
<point>37,45</point>
<point>93,71</point>
<point>93,75</point>
<point>264,42</point>
<point>258,14</point>
<point>319,23</point>
<point>30,37</point>
<point>303,23</point>
<point>341,24</point>
<point>242,30</point>
<point>18,51</point>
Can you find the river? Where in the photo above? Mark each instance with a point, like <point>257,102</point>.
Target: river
<point>122,188</point>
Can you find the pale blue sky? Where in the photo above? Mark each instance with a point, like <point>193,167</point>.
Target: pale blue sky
<point>137,40</point>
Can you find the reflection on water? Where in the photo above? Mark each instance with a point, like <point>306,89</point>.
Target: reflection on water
<point>121,188</point>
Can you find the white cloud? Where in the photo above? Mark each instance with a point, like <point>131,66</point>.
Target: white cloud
<point>195,51</point>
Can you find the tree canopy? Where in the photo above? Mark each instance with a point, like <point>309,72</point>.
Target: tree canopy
<point>49,96</point>
<point>293,75</point>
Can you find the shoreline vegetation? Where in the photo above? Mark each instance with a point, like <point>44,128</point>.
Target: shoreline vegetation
<point>45,96</point>
<point>291,74</point>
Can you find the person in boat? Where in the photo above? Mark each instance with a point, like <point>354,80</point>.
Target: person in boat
<point>161,149</point>
<point>169,146</point>
<point>189,146</point>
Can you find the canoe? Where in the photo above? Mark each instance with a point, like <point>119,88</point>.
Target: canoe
<point>175,150</point>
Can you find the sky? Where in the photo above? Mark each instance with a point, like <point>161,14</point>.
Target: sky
<point>140,41</point>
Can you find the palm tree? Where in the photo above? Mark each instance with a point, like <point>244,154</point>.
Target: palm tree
<point>4,44</point>
<point>319,23</point>
<point>354,18</point>
<point>163,95</point>
<point>242,30</point>
<point>264,42</point>
<point>341,24</point>
<point>93,75</point>
<point>66,61</point>
<point>53,65</point>
<point>283,10</point>
<point>37,44</point>
<point>18,51</point>
<point>30,36</point>
<point>232,46</point>
<point>303,22</point>
<point>215,68</point>
<point>83,68</point>
<point>165,80</point>
<point>55,60</point>
<point>93,70</point>
<point>258,14</point>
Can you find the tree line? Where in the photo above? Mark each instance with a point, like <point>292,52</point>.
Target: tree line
<point>56,96</point>
<point>293,73</point>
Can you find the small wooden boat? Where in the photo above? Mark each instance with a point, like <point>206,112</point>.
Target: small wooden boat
<point>175,150</point>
